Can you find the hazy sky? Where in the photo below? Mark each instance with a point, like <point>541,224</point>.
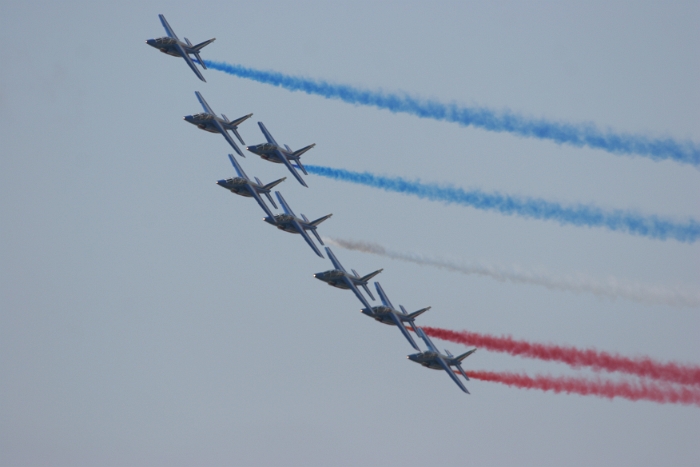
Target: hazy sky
<point>149,317</point>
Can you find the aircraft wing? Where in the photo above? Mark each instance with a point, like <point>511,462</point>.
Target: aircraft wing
<point>190,62</point>
<point>167,27</point>
<point>239,169</point>
<point>384,298</point>
<point>257,197</point>
<point>427,340</point>
<point>286,162</point>
<point>452,374</point>
<point>403,330</point>
<point>334,260</point>
<point>230,140</point>
<point>357,293</point>
<point>307,238</point>
<point>205,106</point>
<point>267,134</point>
<point>285,206</point>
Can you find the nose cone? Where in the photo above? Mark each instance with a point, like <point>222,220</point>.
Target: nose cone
<point>221,183</point>
<point>188,118</point>
<point>269,220</point>
<point>319,276</point>
<point>151,42</point>
<point>413,357</point>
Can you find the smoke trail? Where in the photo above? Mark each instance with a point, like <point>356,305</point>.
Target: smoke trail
<point>612,288</point>
<point>641,366</point>
<point>663,394</point>
<point>579,215</point>
<point>580,134</point>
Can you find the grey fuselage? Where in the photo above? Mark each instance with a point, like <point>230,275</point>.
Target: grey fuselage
<point>205,121</point>
<point>382,314</point>
<point>268,151</point>
<point>334,277</point>
<point>168,45</point>
<point>429,359</point>
<point>240,186</point>
<point>285,222</point>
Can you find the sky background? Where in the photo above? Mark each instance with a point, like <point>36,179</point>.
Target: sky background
<point>149,317</point>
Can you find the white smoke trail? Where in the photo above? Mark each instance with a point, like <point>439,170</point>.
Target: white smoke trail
<point>611,288</point>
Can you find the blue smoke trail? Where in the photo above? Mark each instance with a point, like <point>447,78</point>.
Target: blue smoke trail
<point>583,134</point>
<point>580,215</point>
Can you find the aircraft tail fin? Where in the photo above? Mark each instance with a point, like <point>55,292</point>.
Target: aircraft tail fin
<point>201,45</point>
<point>301,151</point>
<point>459,358</point>
<point>271,185</point>
<point>318,221</point>
<point>369,276</point>
<point>416,314</point>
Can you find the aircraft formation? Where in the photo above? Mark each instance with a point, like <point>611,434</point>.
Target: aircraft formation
<point>242,185</point>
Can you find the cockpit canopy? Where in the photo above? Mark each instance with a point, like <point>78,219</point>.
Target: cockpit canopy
<point>164,41</point>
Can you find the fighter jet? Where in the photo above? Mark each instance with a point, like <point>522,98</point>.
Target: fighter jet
<point>340,278</point>
<point>387,314</point>
<point>208,121</point>
<point>434,360</point>
<point>273,152</point>
<point>244,186</point>
<point>171,45</point>
<point>289,222</point>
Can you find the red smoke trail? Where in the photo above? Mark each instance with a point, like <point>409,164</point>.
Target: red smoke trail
<point>640,366</point>
<point>661,393</point>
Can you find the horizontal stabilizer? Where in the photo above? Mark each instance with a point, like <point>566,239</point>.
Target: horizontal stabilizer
<point>318,237</point>
<point>301,166</point>
<point>364,286</point>
<point>461,370</point>
<point>235,132</point>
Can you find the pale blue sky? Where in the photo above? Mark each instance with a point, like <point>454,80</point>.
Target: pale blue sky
<point>148,317</point>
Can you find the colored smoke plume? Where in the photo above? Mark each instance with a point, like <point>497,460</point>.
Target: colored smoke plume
<point>580,215</point>
<point>575,134</point>
<point>612,287</point>
<point>634,391</point>
<point>594,359</point>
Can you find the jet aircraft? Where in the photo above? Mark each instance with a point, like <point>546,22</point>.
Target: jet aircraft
<point>208,121</point>
<point>434,360</point>
<point>387,314</point>
<point>273,152</point>
<point>171,45</point>
<point>341,279</point>
<point>244,186</point>
<point>289,222</point>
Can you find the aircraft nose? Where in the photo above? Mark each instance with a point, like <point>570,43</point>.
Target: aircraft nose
<point>188,118</point>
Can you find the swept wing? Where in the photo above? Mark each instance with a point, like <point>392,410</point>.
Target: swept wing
<point>285,206</point>
<point>230,140</point>
<point>237,167</point>
<point>308,240</point>
<point>169,31</point>
<point>267,134</point>
<point>402,328</point>
<point>446,367</point>
<point>357,293</point>
<point>286,162</point>
<point>205,106</point>
<point>383,297</point>
<point>190,62</point>
<point>334,260</point>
